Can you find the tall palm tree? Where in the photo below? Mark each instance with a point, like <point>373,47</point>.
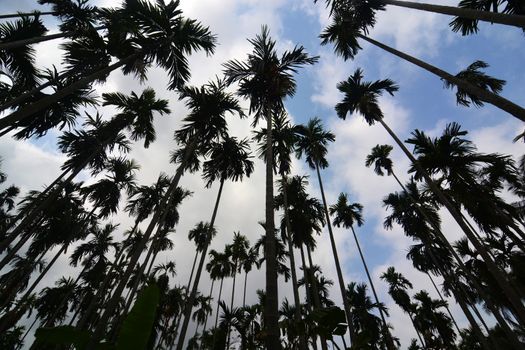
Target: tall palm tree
<point>464,12</point>
<point>397,288</point>
<point>368,327</point>
<point>250,260</point>
<point>312,142</point>
<point>199,235</point>
<point>283,136</point>
<point>348,25</point>
<point>266,80</point>
<point>153,33</point>
<point>237,252</point>
<point>362,97</point>
<point>346,215</point>
<point>229,159</point>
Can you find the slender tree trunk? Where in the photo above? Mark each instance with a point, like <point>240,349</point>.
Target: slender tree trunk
<point>272,337</point>
<point>336,258</point>
<point>37,106</point>
<point>158,218</point>
<point>484,95</point>
<point>309,302</point>
<point>39,39</point>
<point>231,303</point>
<point>386,332</point>
<point>295,286</point>
<point>22,14</point>
<point>498,275</point>
<point>244,291</point>
<point>189,304</point>
<point>316,295</point>
<point>207,314</point>
<point>217,313</point>
<point>444,301</point>
<point>485,16</point>
<point>191,274</point>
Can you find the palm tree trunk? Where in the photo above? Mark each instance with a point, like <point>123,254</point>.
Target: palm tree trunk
<point>21,14</point>
<point>158,218</point>
<point>192,270</point>
<point>386,332</point>
<point>244,291</point>
<point>217,312</point>
<point>27,111</point>
<point>316,295</point>
<point>218,302</point>
<point>486,16</point>
<point>39,39</point>
<point>484,95</point>
<point>336,258</point>
<point>271,307</point>
<point>231,303</point>
<point>309,306</point>
<point>206,318</point>
<point>499,276</point>
<point>295,286</point>
<point>416,329</point>
<point>189,304</point>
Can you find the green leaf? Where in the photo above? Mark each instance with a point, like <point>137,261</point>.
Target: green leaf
<point>62,335</point>
<point>138,325</point>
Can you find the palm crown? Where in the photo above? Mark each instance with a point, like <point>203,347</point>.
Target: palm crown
<point>362,96</point>
<point>312,141</point>
<point>265,78</point>
<point>346,214</point>
<point>381,160</point>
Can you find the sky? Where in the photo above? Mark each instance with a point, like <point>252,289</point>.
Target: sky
<point>422,103</point>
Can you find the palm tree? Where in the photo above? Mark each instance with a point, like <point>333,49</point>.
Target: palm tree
<point>397,288</point>
<point>312,142</point>
<point>362,97</point>
<point>219,267</point>
<point>250,260</point>
<point>53,303</point>
<point>228,159</point>
<point>266,80</point>
<point>237,252</point>
<point>156,33</point>
<point>348,214</point>
<point>348,26</point>
<point>106,193</point>
<point>434,325</point>
<point>462,11</point>
<point>368,327</point>
<point>283,136</point>
<point>199,235</point>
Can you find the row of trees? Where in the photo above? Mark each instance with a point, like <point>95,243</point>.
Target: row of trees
<point>484,268</point>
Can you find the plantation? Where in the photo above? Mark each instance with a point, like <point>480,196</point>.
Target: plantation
<point>164,189</point>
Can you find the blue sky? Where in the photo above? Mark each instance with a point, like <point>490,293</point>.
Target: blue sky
<point>421,102</point>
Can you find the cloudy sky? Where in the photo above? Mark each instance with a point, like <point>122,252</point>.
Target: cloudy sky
<point>421,103</point>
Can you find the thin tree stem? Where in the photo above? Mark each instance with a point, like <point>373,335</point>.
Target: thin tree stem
<point>484,95</point>
<point>485,16</point>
